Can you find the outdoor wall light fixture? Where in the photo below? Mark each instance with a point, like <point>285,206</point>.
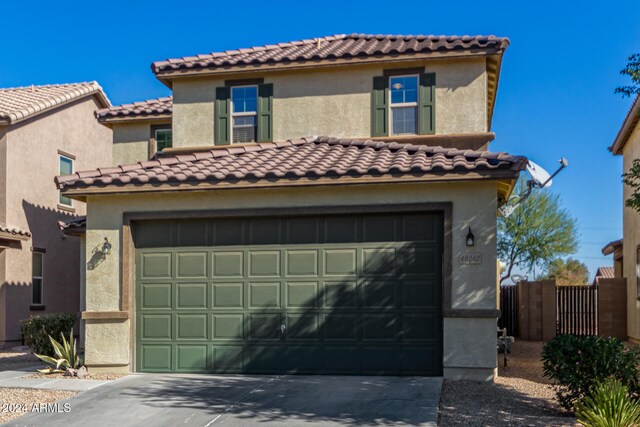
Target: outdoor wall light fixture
<point>471,239</point>
<point>106,247</point>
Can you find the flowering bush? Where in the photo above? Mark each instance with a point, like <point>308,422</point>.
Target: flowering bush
<point>578,364</point>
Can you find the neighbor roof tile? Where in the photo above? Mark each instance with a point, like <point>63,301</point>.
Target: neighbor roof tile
<point>160,108</point>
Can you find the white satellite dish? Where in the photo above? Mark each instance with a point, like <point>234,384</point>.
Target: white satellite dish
<point>540,177</point>
<point>516,278</point>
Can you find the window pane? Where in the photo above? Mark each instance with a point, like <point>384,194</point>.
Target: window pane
<point>36,297</point>
<point>64,200</point>
<point>244,129</point>
<point>403,89</point>
<point>164,139</point>
<point>244,99</point>
<point>404,120</point>
<point>36,264</point>
<point>66,166</point>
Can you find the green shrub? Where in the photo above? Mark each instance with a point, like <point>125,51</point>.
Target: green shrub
<point>578,364</point>
<point>37,329</point>
<point>608,405</point>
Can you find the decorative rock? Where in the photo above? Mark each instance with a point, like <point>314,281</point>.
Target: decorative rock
<point>82,372</point>
<point>70,372</point>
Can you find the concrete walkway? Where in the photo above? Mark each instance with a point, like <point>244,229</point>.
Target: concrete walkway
<point>243,400</point>
<point>16,379</point>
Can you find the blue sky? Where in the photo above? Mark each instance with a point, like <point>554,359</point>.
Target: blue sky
<point>555,97</point>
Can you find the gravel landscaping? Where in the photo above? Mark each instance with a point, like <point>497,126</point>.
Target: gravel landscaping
<point>520,396</point>
<point>15,402</point>
<point>90,376</point>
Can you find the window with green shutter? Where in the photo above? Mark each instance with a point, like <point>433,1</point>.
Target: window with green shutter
<point>243,113</point>
<point>403,105</point>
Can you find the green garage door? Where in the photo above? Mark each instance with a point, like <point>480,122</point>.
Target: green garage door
<point>327,294</point>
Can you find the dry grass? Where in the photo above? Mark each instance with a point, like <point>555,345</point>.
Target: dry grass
<point>10,360</point>
<point>520,396</point>
<point>15,402</point>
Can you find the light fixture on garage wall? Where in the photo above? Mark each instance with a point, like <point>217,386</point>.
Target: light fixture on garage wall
<point>106,247</point>
<point>471,239</point>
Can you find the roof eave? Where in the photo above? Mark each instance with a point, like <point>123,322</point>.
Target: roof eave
<point>166,77</point>
<point>628,125</point>
<point>107,121</point>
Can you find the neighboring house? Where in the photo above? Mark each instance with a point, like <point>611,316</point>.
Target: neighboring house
<point>44,131</point>
<point>139,129</point>
<point>251,247</point>
<point>604,273</point>
<point>615,248</point>
<point>627,144</point>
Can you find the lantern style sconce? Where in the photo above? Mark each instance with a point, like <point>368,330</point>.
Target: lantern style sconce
<point>106,247</point>
<point>470,239</point>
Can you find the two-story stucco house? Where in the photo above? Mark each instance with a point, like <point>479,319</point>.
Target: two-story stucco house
<point>320,206</point>
<point>627,250</point>
<point>44,131</point>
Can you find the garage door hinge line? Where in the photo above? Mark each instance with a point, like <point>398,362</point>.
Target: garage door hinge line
<point>236,403</point>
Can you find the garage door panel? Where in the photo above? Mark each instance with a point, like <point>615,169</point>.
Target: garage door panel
<point>228,326</point>
<point>191,327</point>
<point>191,358</point>
<point>357,294</point>
<point>156,358</point>
<point>156,327</point>
<point>191,295</point>
<point>228,264</point>
<point>228,295</point>
<point>342,294</point>
<point>264,326</point>
<point>264,263</point>
<point>227,358</point>
<point>340,327</point>
<point>379,293</point>
<point>301,262</point>
<point>156,266</point>
<point>264,295</point>
<point>192,265</point>
<point>302,294</point>
<point>156,296</point>
<point>379,327</point>
<point>340,262</point>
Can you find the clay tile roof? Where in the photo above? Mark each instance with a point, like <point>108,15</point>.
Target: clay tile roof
<point>20,103</point>
<point>73,226</point>
<point>606,272</point>
<point>152,108</point>
<point>332,47</point>
<point>14,231</point>
<point>311,158</point>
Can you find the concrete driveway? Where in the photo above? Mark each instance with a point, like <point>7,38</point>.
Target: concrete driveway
<point>210,400</point>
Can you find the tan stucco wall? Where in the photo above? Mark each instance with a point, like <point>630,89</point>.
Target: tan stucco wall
<point>474,286</point>
<point>335,102</point>
<point>631,233</point>
<point>32,204</point>
<point>131,140</point>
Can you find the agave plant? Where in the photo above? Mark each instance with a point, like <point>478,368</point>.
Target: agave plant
<point>609,406</point>
<point>66,355</point>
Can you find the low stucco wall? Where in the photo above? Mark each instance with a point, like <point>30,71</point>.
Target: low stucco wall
<point>469,343</point>
<point>320,102</point>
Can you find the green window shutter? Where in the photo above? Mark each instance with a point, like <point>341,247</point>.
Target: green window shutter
<point>380,107</point>
<point>265,112</point>
<point>427,104</point>
<point>222,121</point>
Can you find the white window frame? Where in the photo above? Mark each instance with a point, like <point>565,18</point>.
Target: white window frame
<point>245,114</point>
<point>73,169</point>
<point>41,277</point>
<point>403,104</point>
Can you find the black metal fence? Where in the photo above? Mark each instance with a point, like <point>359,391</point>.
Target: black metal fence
<point>509,309</point>
<point>577,310</point>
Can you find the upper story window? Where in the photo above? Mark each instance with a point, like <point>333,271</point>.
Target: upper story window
<point>244,104</point>
<point>163,137</point>
<point>403,102</point>
<point>66,168</point>
<point>243,112</point>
